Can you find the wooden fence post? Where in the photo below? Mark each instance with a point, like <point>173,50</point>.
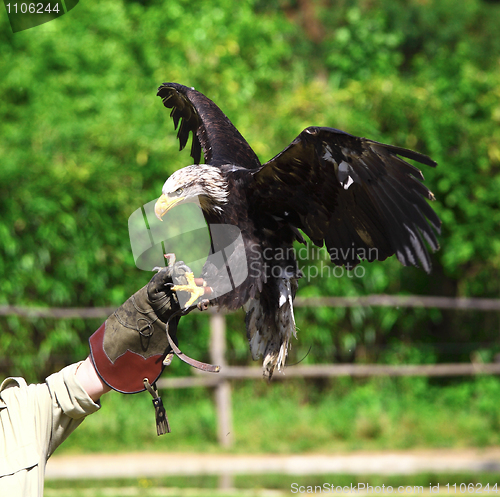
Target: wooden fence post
<point>223,388</point>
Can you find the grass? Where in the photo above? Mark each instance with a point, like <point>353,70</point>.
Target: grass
<point>270,485</point>
<point>298,416</point>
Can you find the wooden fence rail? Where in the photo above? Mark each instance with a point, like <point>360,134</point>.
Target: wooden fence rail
<point>331,371</point>
<point>457,303</point>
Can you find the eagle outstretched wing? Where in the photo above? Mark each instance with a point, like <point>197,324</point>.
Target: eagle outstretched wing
<point>212,131</point>
<point>353,194</point>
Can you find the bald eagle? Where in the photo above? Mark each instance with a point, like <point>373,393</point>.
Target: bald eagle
<point>356,196</point>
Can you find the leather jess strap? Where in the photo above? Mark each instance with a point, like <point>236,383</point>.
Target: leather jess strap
<point>203,366</point>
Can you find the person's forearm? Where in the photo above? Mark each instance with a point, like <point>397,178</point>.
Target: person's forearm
<point>90,380</point>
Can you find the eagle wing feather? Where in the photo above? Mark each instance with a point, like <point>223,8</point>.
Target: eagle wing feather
<point>212,131</point>
<point>357,196</point>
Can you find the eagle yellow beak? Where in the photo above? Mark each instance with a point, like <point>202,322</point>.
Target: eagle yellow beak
<point>164,204</point>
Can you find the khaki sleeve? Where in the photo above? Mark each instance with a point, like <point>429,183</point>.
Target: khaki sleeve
<point>34,420</point>
<point>70,405</point>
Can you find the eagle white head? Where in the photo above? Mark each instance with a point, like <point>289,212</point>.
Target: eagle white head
<point>199,184</point>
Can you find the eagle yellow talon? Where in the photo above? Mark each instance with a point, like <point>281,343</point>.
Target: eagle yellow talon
<point>192,288</point>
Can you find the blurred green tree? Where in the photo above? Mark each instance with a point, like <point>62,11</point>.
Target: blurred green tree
<point>85,142</point>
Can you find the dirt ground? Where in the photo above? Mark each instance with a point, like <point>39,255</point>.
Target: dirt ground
<point>137,465</point>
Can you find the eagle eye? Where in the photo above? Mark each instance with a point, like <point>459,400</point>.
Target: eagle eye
<point>178,192</point>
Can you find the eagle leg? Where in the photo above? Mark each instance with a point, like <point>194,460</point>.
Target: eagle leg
<point>191,288</point>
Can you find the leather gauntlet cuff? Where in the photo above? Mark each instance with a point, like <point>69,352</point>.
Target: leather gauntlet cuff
<point>131,345</point>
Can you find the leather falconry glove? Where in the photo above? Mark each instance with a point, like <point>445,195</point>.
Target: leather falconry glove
<point>131,348</point>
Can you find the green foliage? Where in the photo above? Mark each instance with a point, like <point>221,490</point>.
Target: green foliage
<point>85,143</point>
